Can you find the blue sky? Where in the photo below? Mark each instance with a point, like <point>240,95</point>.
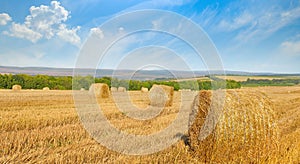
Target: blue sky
<point>253,35</point>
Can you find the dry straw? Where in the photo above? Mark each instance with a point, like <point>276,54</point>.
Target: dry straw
<point>46,89</point>
<point>16,87</point>
<point>243,128</point>
<point>99,90</point>
<point>161,95</point>
<point>121,89</point>
<point>113,89</point>
<point>184,90</point>
<point>143,89</point>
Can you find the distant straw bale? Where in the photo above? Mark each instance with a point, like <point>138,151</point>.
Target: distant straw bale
<point>184,90</point>
<point>242,130</point>
<point>121,89</point>
<point>143,89</point>
<point>99,90</point>
<point>46,89</point>
<point>82,89</point>
<point>16,87</point>
<point>113,89</point>
<point>161,95</point>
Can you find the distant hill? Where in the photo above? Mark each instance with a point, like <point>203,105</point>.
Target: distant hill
<point>126,74</point>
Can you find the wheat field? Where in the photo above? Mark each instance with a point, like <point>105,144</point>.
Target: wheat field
<point>43,127</point>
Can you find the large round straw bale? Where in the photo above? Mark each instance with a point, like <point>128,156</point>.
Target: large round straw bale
<point>46,89</point>
<point>82,89</point>
<point>113,89</point>
<point>121,89</point>
<point>99,90</point>
<point>240,130</point>
<point>161,95</point>
<point>16,87</point>
<point>143,89</point>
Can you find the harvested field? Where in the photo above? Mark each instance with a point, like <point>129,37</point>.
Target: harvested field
<point>37,126</point>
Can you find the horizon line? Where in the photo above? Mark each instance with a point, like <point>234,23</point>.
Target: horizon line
<point>225,70</point>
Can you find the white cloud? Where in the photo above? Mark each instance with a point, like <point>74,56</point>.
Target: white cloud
<point>206,17</point>
<point>238,22</point>
<point>22,31</point>
<point>69,35</point>
<point>45,19</point>
<point>46,22</point>
<point>291,48</point>
<point>4,18</point>
<point>270,22</point>
<point>97,32</point>
<point>121,29</point>
<point>247,22</point>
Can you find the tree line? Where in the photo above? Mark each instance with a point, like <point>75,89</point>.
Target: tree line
<point>86,81</point>
<point>35,82</point>
<point>78,82</point>
<point>274,82</point>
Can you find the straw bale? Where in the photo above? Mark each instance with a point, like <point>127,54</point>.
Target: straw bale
<point>161,95</point>
<point>99,90</point>
<point>242,129</point>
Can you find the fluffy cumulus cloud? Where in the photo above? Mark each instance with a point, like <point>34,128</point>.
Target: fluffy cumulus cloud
<point>4,18</point>
<point>45,19</point>
<point>22,31</point>
<point>69,34</point>
<point>97,32</point>
<point>45,22</point>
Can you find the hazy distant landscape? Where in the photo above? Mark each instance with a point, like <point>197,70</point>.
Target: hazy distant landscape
<point>139,75</point>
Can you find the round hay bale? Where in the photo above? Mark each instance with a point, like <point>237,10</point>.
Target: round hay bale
<point>46,89</point>
<point>243,130</point>
<point>121,89</point>
<point>82,89</point>
<point>113,89</point>
<point>99,90</point>
<point>143,89</point>
<point>184,90</point>
<point>161,95</point>
<point>16,87</point>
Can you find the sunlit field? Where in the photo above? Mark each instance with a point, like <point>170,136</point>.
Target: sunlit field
<point>43,126</point>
